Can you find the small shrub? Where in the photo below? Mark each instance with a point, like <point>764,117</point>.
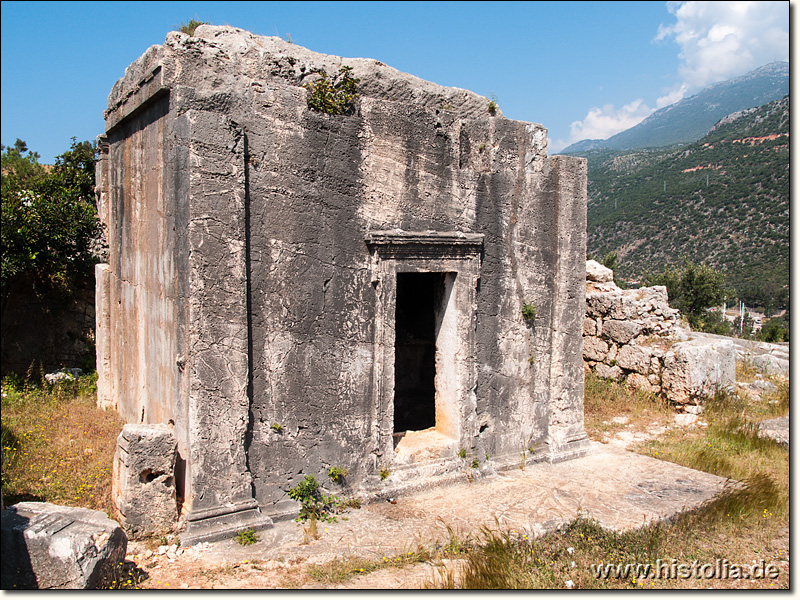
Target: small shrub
<point>344,503</point>
<point>337,474</point>
<point>277,427</point>
<point>462,453</point>
<point>492,107</point>
<point>333,97</point>
<point>189,28</point>
<point>475,463</point>
<point>245,537</point>
<point>528,311</point>
<point>384,473</point>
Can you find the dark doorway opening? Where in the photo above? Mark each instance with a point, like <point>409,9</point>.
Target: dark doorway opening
<point>419,298</point>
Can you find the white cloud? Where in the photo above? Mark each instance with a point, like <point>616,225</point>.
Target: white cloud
<point>717,40</point>
<point>672,96</point>
<point>721,40</point>
<point>602,123</point>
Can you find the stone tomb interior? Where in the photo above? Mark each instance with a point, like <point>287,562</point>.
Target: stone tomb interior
<point>420,345</point>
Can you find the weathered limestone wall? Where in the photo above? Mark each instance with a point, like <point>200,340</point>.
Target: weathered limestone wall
<point>255,252</point>
<point>133,202</point>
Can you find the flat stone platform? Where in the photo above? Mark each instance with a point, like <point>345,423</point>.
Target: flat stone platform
<point>618,488</point>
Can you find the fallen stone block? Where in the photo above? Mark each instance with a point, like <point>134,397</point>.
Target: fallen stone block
<point>144,479</point>
<point>63,375</point>
<point>772,365</point>
<point>597,272</point>
<point>776,429</point>
<point>697,369</point>
<point>46,546</point>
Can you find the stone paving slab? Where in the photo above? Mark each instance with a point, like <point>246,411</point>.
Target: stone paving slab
<point>777,429</point>
<point>619,489</point>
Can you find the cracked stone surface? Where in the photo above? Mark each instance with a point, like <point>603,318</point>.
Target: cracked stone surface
<point>255,247</point>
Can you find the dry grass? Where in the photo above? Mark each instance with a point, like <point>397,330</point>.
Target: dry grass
<point>58,446</point>
<point>342,570</point>
<point>749,522</point>
<point>605,400</point>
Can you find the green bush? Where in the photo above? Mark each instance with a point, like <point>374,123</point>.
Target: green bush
<point>337,474</point>
<point>245,537</point>
<point>313,503</point>
<point>334,97</point>
<point>692,288</point>
<point>528,311</point>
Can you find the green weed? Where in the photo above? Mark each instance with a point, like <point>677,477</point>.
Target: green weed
<point>245,537</point>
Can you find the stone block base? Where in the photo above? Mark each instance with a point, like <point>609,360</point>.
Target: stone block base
<point>223,522</point>
<point>144,480</point>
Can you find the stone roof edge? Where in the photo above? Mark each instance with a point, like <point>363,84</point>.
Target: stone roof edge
<point>378,80</point>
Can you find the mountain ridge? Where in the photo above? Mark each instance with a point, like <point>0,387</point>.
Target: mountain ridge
<point>689,119</point>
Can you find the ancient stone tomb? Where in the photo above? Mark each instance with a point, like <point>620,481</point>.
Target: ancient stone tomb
<point>289,291</point>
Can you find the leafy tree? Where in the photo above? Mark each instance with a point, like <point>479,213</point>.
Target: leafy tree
<point>743,328</point>
<point>692,288</point>
<point>49,223</point>
<point>775,330</point>
<point>610,260</point>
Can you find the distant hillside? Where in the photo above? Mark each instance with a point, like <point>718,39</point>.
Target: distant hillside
<point>723,200</point>
<point>688,120</point>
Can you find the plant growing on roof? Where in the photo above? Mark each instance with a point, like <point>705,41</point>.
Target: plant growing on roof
<point>334,97</point>
<point>189,27</point>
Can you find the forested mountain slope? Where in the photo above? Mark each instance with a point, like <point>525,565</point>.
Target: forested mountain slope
<point>723,200</point>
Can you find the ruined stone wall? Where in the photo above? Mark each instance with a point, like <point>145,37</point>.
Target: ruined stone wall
<point>42,333</point>
<point>634,336</point>
<point>262,242</point>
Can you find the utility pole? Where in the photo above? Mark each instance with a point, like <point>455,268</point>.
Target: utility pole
<point>741,317</point>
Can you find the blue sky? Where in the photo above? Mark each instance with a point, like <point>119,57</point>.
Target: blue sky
<point>582,69</point>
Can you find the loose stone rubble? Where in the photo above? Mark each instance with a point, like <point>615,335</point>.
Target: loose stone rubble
<point>634,335</point>
<point>63,375</point>
<point>45,546</point>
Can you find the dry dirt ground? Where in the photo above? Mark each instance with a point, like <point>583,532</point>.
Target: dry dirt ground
<point>618,488</point>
